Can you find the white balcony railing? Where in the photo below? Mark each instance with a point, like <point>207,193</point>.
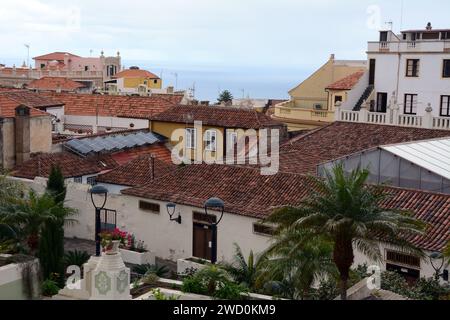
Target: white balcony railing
<point>392,117</point>
<point>377,117</point>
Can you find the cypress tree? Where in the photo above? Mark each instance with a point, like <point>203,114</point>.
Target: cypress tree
<point>51,245</point>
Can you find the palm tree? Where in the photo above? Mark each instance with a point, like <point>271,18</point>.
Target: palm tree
<point>30,214</point>
<point>243,271</point>
<point>346,210</point>
<point>295,261</point>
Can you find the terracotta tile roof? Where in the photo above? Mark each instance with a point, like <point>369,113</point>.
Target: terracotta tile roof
<point>160,151</point>
<point>115,106</point>
<point>138,171</point>
<point>30,99</point>
<point>302,154</point>
<point>346,83</point>
<point>55,83</point>
<point>135,73</point>
<point>246,192</point>
<point>71,165</point>
<point>8,108</point>
<point>55,56</point>
<point>228,117</point>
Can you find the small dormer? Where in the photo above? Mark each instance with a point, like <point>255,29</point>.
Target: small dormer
<point>22,111</point>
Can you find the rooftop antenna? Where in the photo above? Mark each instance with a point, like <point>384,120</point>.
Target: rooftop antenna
<point>175,74</point>
<point>243,93</point>
<point>390,23</point>
<point>90,52</point>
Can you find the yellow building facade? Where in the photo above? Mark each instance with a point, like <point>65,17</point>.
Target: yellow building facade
<point>135,81</point>
<point>309,105</point>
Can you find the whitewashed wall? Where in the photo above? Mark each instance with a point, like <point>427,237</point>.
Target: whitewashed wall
<point>113,122</point>
<point>170,240</point>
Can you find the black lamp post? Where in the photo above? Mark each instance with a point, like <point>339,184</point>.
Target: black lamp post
<point>437,261</point>
<point>100,192</point>
<point>218,205</point>
<point>171,211</point>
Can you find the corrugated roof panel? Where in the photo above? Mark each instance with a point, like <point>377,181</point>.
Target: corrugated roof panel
<point>116,142</point>
<point>433,155</point>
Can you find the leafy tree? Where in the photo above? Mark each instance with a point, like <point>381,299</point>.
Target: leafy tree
<point>294,261</point>
<point>347,211</point>
<point>225,97</point>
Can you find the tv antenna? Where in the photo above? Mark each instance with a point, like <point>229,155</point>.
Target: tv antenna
<point>175,74</point>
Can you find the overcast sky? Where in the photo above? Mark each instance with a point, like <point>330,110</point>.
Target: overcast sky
<point>275,35</point>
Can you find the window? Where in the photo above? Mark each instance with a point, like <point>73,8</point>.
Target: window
<point>155,81</point>
<point>446,71</point>
<point>78,179</point>
<point>86,68</point>
<point>337,99</point>
<point>412,67</point>
<point>263,229</point>
<point>445,106</point>
<point>42,65</point>
<point>410,104</point>
<point>210,140</point>
<point>201,217</point>
<point>149,206</point>
<point>382,102</point>
<point>191,138</point>
<point>401,258</point>
<point>383,36</point>
<point>445,35</point>
<point>92,181</point>
<point>232,138</point>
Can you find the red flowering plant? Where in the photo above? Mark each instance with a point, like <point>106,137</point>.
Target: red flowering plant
<point>134,245</point>
<point>107,237</point>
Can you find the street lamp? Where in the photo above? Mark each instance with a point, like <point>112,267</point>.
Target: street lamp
<point>218,205</point>
<point>437,261</point>
<point>171,211</point>
<point>98,191</point>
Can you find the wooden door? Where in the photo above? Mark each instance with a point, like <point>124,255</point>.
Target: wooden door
<point>202,237</point>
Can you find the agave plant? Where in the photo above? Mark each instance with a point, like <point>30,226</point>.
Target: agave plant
<point>76,258</point>
<point>160,271</point>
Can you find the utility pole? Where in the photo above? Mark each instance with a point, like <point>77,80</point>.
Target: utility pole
<point>28,54</point>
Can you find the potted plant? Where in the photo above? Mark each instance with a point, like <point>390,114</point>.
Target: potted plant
<point>111,240</point>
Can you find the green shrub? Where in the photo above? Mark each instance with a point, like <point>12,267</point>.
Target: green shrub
<point>230,291</point>
<point>150,279</point>
<point>193,285</point>
<point>161,296</point>
<point>49,288</point>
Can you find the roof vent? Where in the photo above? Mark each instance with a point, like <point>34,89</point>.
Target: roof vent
<point>134,68</point>
<point>429,27</point>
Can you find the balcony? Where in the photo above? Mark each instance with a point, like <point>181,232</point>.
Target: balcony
<point>288,113</point>
<point>394,118</point>
<point>410,46</point>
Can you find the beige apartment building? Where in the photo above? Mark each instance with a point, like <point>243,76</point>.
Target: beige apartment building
<point>309,105</point>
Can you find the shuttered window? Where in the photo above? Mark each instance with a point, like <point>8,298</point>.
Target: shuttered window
<point>149,206</point>
<point>210,140</point>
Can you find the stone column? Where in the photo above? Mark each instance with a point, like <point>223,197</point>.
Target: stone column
<point>363,113</point>
<point>337,111</point>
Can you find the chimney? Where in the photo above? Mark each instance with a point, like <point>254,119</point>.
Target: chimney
<point>332,56</point>
<point>429,27</point>
<point>170,90</point>
<point>22,134</point>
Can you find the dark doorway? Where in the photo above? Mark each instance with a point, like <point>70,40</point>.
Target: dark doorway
<point>382,102</point>
<point>201,245</point>
<point>372,71</point>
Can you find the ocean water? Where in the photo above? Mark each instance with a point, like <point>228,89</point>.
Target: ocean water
<point>253,82</point>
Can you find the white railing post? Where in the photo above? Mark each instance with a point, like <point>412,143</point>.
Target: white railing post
<point>395,114</point>
<point>363,113</point>
<point>428,118</point>
<point>337,113</point>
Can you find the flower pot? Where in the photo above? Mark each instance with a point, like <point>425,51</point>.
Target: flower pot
<point>138,258</point>
<point>113,247</point>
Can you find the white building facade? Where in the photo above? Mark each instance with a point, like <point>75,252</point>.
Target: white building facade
<point>408,81</point>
